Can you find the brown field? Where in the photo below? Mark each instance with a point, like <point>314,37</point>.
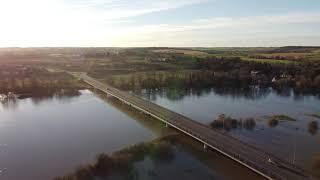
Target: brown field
<point>288,54</point>
<point>181,51</point>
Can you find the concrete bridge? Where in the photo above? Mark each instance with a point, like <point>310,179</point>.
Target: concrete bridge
<point>263,163</point>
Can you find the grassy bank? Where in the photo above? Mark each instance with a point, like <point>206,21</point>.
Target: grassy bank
<point>316,115</point>
<point>121,162</point>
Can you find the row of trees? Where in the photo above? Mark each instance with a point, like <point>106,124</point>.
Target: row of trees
<point>277,57</point>
<point>229,73</point>
<point>302,77</point>
<point>38,81</point>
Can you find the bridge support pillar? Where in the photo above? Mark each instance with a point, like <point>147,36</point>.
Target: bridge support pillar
<point>205,147</point>
<point>167,125</point>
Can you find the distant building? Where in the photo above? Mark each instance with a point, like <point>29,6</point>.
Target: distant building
<point>274,79</point>
<point>163,59</point>
<point>254,73</point>
<point>284,75</point>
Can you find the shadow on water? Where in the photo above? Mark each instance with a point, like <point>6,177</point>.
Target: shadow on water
<point>143,119</point>
<point>122,163</point>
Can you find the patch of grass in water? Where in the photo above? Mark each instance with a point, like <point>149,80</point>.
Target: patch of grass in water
<point>316,115</point>
<point>122,162</point>
<point>281,117</point>
<point>274,120</point>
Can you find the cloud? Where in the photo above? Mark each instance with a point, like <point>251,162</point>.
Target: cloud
<point>300,28</point>
<point>241,22</point>
<point>290,18</point>
<point>54,22</point>
<point>117,9</point>
<point>109,22</point>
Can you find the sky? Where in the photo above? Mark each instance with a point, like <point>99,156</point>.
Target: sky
<point>165,23</point>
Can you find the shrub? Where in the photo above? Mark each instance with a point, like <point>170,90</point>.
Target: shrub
<point>313,127</point>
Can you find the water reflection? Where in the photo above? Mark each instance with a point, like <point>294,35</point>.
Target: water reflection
<point>273,123</point>
<point>122,163</point>
<point>289,139</point>
<point>249,93</point>
<point>171,157</point>
<point>62,131</point>
<point>10,103</point>
<point>86,126</point>
<point>160,160</point>
<point>63,95</point>
<point>227,123</point>
<point>177,94</point>
<point>146,121</point>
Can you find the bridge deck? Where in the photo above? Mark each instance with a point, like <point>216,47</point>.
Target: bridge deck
<point>243,153</point>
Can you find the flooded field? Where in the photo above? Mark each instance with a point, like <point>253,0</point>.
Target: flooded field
<point>296,139</point>
<point>40,139</point>
<point>44,138</point>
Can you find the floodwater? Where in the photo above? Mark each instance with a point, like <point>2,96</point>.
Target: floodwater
<point>187,160</point>
<point>42,138</point>
<point>290,140</point>
<point>47,138</point>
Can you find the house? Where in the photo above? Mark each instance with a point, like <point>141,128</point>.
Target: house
<point>3,97</point>
<point>254,73</point>
<point>274,79</point>
<point>285,75</point>
<point>163,59</point>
